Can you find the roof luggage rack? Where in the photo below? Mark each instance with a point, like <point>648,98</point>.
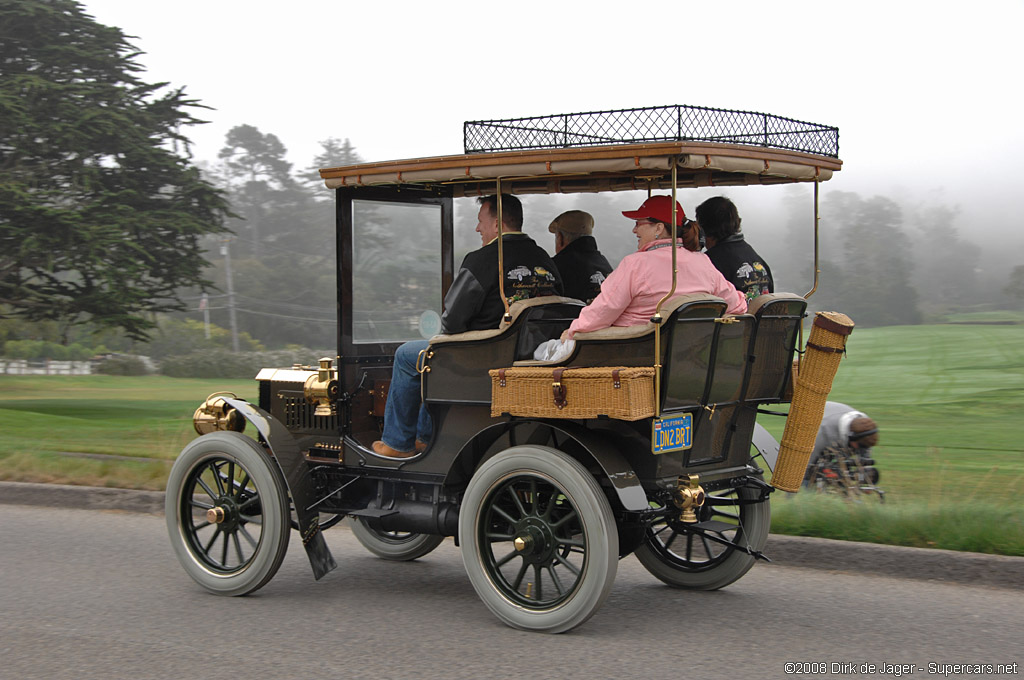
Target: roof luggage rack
<point>678,123</point>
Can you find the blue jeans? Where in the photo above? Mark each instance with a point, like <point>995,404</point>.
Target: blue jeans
<point>402,424</point>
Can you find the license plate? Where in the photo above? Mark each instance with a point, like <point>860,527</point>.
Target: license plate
<point>672,434</point>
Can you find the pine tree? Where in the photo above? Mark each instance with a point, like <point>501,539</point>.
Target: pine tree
<point>101,207</point>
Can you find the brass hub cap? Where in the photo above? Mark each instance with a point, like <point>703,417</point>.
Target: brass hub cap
<point>215,515</point>
<point>531,538</point>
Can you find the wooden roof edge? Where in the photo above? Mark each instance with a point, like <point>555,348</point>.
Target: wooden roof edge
<point>482,159</point>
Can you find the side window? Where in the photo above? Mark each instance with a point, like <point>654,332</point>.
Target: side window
<point>396,278</point>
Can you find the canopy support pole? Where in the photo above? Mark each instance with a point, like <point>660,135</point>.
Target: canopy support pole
<point>507,317</point>
<point>656,319</point>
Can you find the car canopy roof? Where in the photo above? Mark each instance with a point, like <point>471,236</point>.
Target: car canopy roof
<point>616,151</point>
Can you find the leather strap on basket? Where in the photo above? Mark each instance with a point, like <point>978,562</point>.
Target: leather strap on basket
<point>616,383</point>
<point>828,324</point>
<point>501,377</point>
<point>557,388</point>
<point>830,350</point>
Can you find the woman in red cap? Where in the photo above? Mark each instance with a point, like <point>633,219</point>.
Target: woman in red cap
<point>631,292</point>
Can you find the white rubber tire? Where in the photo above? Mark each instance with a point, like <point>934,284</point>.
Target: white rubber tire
<point>265,493</point>
<point>578,491</point>
<point>398,547</point>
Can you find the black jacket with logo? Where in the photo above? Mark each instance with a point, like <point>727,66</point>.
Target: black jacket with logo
<point>474,301</point>
<point>583,268</point>
<point>742,266</point>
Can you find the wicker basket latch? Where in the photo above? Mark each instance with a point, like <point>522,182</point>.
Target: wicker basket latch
<point>558,389</point>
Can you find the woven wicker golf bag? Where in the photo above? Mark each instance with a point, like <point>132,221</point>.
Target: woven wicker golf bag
<point>825,347</point>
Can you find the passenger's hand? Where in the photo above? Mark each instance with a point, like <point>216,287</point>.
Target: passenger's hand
<point>565,336</point>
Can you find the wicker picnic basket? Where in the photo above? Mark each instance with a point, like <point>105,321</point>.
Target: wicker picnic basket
<point>825,347</point>
<point>542,392</point>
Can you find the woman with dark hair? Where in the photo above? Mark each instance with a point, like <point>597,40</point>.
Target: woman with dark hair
<point>729,252</point>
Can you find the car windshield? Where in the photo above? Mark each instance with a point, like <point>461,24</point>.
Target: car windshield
<point>396,283</point>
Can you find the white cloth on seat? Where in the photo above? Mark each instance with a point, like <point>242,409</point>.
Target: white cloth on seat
<point>553,350</point>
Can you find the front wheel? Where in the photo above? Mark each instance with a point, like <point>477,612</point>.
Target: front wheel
<point>227,513</point>
<point>399,546</point>
<point>685,559</point>
<point>538,539</point>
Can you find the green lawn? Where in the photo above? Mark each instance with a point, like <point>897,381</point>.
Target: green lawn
<point>149,417</point>
<point>949,401</point>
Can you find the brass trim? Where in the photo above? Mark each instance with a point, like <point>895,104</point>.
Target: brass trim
<point>688,496</point>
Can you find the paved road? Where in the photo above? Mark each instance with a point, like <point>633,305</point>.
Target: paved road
<point>99,594</point>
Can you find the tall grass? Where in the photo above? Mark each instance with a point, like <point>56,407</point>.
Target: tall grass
<point>971,525</point>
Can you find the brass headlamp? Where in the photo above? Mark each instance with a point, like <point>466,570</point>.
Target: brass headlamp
<point>321,389</point>
<point>217,414</point>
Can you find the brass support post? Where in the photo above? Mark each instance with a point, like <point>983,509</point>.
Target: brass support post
<point>816,241</point>
<point>817,269</point>
<point>656,319</point>
<point>507,317</point>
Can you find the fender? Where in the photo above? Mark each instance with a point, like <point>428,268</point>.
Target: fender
<point>766,445</point>
<point>623,478</point>
<point>286,452</point>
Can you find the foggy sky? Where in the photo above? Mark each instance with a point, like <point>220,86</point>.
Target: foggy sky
<point>923,93</point>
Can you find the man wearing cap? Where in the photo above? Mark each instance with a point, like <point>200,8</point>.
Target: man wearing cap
<point>848,435</point>
<point>631,293</point>
<point>581,264</point>
<point>729,252</point>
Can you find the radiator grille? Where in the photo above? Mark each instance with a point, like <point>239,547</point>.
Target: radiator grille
<point>298,415</point>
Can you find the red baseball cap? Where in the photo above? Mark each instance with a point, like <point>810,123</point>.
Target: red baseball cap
<point>657,208</point>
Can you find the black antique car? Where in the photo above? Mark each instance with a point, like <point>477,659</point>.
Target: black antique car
<point>643,440</point>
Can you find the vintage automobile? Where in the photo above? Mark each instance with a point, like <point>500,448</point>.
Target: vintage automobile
<point>643,440</point>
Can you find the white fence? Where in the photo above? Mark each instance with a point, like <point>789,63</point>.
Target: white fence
<point>44,367</point>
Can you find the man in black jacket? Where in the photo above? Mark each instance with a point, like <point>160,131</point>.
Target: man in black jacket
<point>729,252</point>
<point>473,303</point>
<point>581,264</point>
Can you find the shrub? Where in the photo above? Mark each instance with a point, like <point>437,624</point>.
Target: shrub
<point>176,337</point>
<point>225,364</point>
<point>38,350</point>
<point>122,365</point>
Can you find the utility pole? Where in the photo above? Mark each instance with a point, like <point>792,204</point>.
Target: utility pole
<point>231,294</point>
<point>204,305</point>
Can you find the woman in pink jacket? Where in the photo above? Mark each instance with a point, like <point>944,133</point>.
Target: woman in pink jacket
<point>631,292</point>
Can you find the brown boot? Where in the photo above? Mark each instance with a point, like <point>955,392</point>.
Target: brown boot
<point>382,449</point>
<point>421,446</point>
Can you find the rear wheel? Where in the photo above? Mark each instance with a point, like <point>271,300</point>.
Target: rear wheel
<point>684,559</point>
<point>400,546</point>
<point>227,513</point>
<point>538,539</point>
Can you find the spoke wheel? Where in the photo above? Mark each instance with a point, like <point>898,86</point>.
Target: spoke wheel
<point>227,513</point>
<point>686,560</point>
<point>400,546</point>
<point>538,539</point>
